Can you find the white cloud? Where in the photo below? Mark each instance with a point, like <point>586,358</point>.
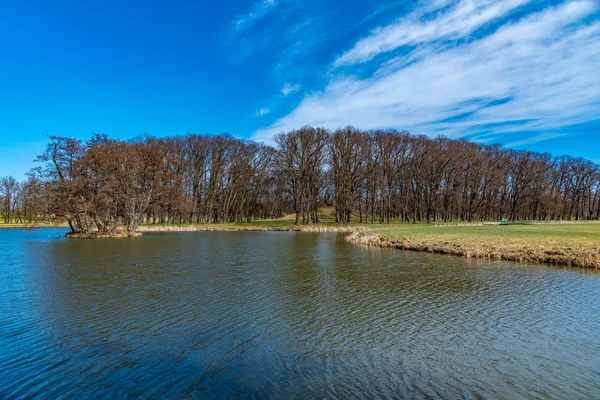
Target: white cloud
<point>288,89</point>
<point>538,138</point>
<point>538,73</point>
<point>263,111</point>
<point>259,10</point>
<point>465,17</point>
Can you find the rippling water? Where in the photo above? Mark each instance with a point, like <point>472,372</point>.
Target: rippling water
<point>286,315</point>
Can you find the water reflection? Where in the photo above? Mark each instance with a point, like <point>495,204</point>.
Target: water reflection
<point>287,315</point>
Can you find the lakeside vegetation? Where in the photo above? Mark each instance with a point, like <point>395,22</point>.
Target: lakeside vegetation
<point>571,244</point>
<point>103,235</point>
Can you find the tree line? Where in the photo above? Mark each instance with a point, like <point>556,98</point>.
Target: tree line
<point>377,176</point>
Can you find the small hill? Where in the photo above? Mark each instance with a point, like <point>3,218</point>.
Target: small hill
<point>326,214</point>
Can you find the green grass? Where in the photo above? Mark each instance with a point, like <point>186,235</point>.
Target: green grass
<point>585,235</point>
<point>574,244</point>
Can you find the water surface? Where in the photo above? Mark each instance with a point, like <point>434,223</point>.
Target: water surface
<point>286,315</point>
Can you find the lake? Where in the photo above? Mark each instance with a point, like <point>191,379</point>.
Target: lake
<point>286,315</point>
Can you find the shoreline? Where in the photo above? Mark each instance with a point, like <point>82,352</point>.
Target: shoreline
<point>102,235</point>
<point>216,228</point>
<point>536,245</point>
<point>565,256</point>
<point>30,226</point>
<point>251,228</point>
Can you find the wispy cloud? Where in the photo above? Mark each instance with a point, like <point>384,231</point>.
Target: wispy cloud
<point>263,111</point>
<point>458,21</point>
<point>259,10</point>
<point>535,139</point>
<point>288,89</point>
<point>538,73</point>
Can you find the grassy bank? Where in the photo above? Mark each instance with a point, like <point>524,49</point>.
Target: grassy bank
<point>571,244</point>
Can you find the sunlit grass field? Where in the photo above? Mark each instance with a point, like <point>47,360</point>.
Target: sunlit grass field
<point>584,235</point>
<point>574,244</point>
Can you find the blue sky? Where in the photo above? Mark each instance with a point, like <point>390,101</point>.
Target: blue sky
<point>525,74</point>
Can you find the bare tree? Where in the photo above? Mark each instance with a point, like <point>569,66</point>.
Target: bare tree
<point>378,176</point>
